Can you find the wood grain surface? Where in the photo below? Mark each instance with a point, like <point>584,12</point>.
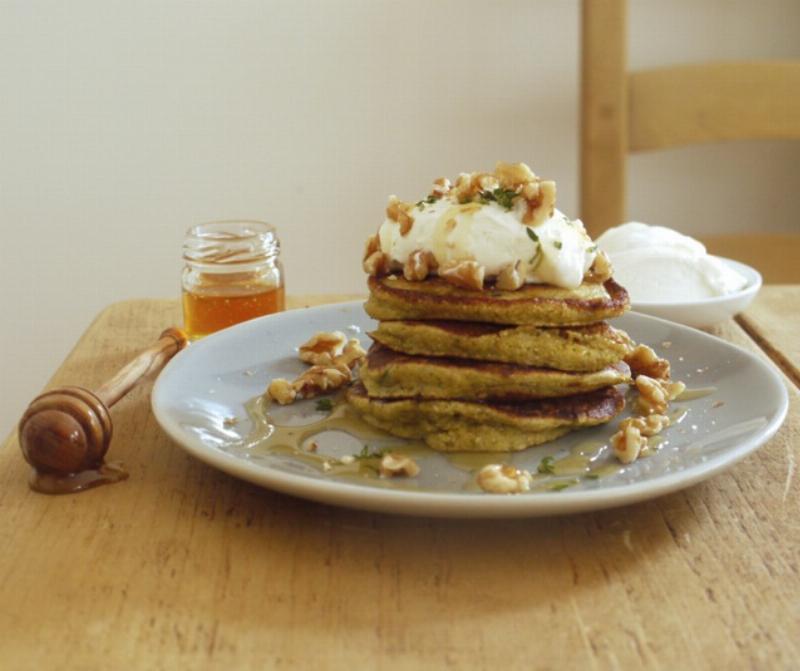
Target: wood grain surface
<point>182,566</point>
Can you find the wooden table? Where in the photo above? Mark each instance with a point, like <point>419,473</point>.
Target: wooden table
<point>185,567</point>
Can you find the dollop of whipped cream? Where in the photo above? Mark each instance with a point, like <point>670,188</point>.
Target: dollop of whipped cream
<point>498,227</point>
<point>659,264</point>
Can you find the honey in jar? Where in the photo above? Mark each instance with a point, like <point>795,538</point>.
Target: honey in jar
<point>232,273</point>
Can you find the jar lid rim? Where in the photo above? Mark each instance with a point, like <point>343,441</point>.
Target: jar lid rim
<point>226,229</point>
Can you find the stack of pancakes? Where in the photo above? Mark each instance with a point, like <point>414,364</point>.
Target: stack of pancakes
<point>491,370</point>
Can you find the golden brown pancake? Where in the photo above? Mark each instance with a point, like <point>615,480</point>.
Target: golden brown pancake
<point>390,374</point>
<point>579,348</point>
<point>457,425</point>
<point>394,297</point>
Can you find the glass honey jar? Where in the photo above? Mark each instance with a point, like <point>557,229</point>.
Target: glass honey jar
<point>232,273</point>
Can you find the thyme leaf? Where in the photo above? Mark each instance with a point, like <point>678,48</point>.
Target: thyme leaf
<point>324,404</point>
<point>546,466</point>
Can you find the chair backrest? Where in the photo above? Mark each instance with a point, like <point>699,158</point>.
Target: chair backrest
<point>624,112</point>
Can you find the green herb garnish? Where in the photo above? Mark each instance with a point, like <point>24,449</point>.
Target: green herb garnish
<point>324,404</point>
<point>501,196</point>
<point>592,476</point>
<point>558,244</point>
<point>546,466</point>
<point>592,249</point>
<point>558,486</point>
<point>531,234</point>
<point>430,200</point>
<point>366,454</point>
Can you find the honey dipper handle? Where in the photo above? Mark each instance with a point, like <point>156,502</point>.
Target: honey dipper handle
<point>149,362</point>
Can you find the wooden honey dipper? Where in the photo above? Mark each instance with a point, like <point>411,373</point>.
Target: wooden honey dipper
<point>65,433</point>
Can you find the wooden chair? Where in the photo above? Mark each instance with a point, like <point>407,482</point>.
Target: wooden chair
<point>654,109</point>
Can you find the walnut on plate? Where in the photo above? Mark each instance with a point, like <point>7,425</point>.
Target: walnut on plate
<point>644,361</point>
<point>394,464</point>
<point>654,395</point>
<point>503,479</point>
<point>322,348</point>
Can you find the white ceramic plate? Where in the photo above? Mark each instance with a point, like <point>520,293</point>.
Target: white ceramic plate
<point>213,379</point>
<point>707,311</point>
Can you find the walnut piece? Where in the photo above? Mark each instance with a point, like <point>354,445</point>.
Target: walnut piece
<point>394,464</point>
<point>601,269</point>
<point>352,354</point>
<point>377,264</point>
<point>648,426</point>
<point>398,211</point>
<point>465,274</point>
<point>321,379</point>
<point>512,175</point>
<point>419,265</point>
<point>281,391</point>
<point>628,443</point>
<point>503,479</point>
<point>323,348</point>
<point>540,208</point>
<point>654,395</point>
<point>644,361</point>
<point>441,187</point>
<point>372,245</point>
<point>509,278</point>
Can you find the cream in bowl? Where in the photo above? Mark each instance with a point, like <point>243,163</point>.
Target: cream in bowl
<point>670,275</point>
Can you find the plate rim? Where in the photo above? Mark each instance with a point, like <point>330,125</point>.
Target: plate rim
<point>456,504</point>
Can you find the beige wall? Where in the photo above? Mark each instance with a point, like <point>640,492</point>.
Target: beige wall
<point>121,123</point>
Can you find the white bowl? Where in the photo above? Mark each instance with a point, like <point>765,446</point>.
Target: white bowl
<point>706,312</point>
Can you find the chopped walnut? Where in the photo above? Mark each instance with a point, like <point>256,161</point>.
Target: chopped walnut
<point>644,361</point>
<point>406,222</point>
<point>509,278</point>
<point>419,265</point>
<point>441,186</point>
<point>673,389</point>
<point>503,479</point>
<point>468,186</point>
<point>320,379</point>
<point>372,245</point>
<point>541,207</point>
<point>323,348</point>
<point>628,443</point>
<point>282,391</point>
<point>352,354</point>
<point>601,269</point>
<point>376,264</point>
<point>514,174</point>
<point>465,274</point>
<point>655,394</point>
<point>394,464</point>
<point>648,426</point>
<point>398,211</point>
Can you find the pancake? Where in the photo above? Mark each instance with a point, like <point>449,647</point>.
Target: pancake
<point>463,426</point>
<point>585,348</point>
<point>390,374</point>
<point>393,297</point>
